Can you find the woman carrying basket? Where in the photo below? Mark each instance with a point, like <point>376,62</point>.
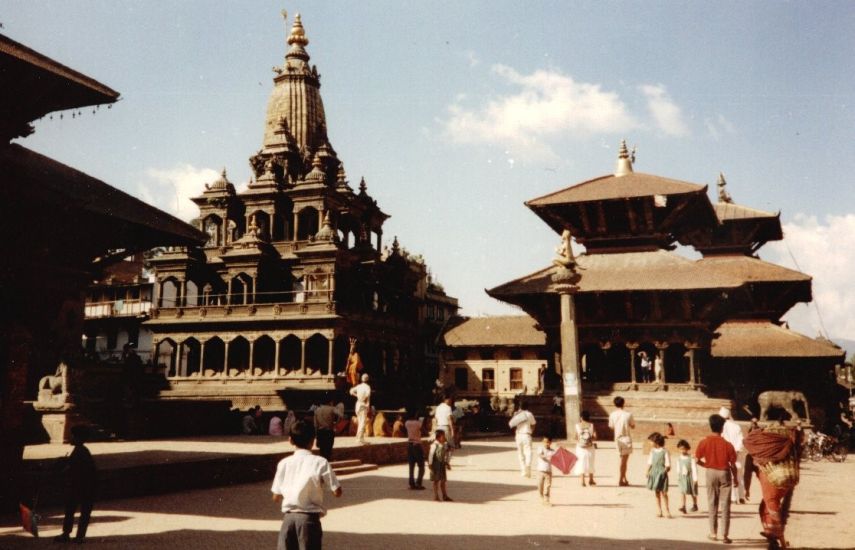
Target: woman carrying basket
<point>775,451</point>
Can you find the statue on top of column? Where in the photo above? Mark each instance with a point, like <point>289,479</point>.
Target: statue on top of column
<point>354,364</point>
<point>565,257</point>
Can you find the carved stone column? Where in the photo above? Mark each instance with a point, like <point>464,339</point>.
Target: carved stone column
<point>330,343</point>
<point>229,292</point>
<point>181,299</point>
<point>303,356</point>
<point>179,359</point>
<point>276,357</point>
<point>251,368</point>
<point>564,283</point>
<point>296,225</point>
<point>202,358</point>
<point>225,359</point>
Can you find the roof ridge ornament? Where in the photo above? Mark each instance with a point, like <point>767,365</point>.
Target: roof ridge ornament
<point>723,195</point>
<point>625,160</point>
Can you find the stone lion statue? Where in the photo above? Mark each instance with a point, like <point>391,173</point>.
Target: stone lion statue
<point>783,400</point>
<point>53,389</point>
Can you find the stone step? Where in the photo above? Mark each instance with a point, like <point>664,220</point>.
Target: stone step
<point>354,469</point>
<point>345,463</point>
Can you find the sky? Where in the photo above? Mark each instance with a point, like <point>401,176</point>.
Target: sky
<point>458,112</point>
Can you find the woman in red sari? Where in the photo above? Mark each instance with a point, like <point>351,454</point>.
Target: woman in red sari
<point>776,461</point>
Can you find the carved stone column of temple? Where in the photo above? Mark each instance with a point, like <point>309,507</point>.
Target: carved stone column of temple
<point>330,342</point>
<point>179,360</point>
<point>632,346</point>
<point>202,342</point>
<point>303,356</point>
<point>276,352</point>
<point>225,373</point>
<point>250,371</point>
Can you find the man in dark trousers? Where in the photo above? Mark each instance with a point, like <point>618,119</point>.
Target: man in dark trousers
<point>326,417</point>
<point>719,458</point>
<point>80,478</point>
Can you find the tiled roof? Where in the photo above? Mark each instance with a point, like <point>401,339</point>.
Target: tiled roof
<point>730,211</point>
<point>751,269</point>
<point>764,339</point>
<point>613,187</point>
<point>516,330</point>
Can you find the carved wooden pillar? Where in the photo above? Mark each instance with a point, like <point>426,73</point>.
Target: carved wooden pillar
<point>303,356</point>
<point>660,353</point>
<point>694,378</point>
<point>276,356</point>
<point>632,346</point>
<point>330,343</point>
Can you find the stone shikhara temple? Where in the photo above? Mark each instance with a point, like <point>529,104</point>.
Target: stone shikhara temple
<point>294,267</point>
<point>713,322</point>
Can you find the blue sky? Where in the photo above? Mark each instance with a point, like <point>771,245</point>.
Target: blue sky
<point>456,113</point>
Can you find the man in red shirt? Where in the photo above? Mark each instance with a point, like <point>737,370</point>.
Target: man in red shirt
<point>719,458</point>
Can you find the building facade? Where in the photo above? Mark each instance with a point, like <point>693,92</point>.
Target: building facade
<point>294,271</point>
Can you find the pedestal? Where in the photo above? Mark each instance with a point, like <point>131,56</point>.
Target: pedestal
<point>57,423</point>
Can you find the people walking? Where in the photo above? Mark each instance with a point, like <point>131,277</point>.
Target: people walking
<point>439,465</point>
<point>622,423</point>
<point>586,438</point>
<point>415,451</point>
<point>444,417</point>
<point>362,392</point>
<point>80,478</point>
<point>687,476</point>
<point>775,451</point>
<point>732,433</point>
<point>658,466</point>
<point>298,487</point>
<point>719,458</point>
<point>523,425</point>
<point>544,470</point>
<point>326,418</point>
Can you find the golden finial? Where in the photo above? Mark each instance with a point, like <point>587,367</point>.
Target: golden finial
<point>298,34</point>
<point>723,195</point>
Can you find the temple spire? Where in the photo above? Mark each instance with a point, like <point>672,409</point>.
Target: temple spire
<point>298,33</point>
<point>723,195</point>
<point>624,162</point>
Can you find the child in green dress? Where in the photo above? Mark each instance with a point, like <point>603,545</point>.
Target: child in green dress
<point>438,464</point>
<point>687,469</point>
<point>658,465</point>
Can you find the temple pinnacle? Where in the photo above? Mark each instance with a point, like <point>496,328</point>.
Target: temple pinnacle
<point>723,195</point>
<point>624,162</point>
<point>298,34</point>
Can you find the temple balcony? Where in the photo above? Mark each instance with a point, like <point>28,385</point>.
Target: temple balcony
<point>117,308</point>
<point>261,304</point>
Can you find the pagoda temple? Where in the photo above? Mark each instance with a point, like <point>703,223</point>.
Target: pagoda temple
<point>714,322</point>
<point>294,273</point>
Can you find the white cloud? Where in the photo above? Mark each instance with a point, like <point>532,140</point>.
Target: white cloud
<point>170,189</point>
<point>472,58</point>
<point>824,249</point>
<point>719,126</point>
<point>547,103</point>
<point>667,114</point>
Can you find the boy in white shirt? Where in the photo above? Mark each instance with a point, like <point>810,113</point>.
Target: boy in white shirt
<point>544,470</point>
<point>298,486</point>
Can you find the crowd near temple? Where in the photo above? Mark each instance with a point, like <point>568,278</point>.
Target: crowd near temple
<point>281,296</point>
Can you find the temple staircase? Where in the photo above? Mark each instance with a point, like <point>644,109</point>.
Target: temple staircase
<point>346,467</point>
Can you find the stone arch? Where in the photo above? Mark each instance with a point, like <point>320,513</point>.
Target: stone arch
<point>307,223</point>
<point>165,356</point>
<point>191,356</point>
<point>264,356</point>
<point>192,295</point>
<point>341,350</point>
<point>238,356</point>
<point>215,356</point>
<point>212,225</point>
<point>290,353</point>
<point>317,353</point>
<point>263,223</point>
<point>242,290</point>
<point>169,292</point>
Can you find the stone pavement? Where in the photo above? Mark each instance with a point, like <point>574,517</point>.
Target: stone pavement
<point>494,508</point>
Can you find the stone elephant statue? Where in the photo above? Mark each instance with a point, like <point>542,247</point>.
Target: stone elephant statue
<point>783,400</point>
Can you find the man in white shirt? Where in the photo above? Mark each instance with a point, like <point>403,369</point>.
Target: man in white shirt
<point>362,392</point>
<point>298,486</point>
<point>523,425</point>
<point>444,416</point>
<point>732,433</point>
<point>621,422</point>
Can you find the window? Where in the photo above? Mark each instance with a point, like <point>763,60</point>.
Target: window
<point>461,378</point>
<point>488,379</point>
<point>516,379</point>
<point>459,354</point>
<point>516,353</point>
<point>487,353</point>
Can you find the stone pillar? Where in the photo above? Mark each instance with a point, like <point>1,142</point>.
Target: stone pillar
<point>330,343</point>
<point>179,359</point>
<point>276,357</point>
<point>632,346</point>
<point>160,294</point>
<point>303,356</point>
<point>296,225</point>
<point>155,357</point>
<point>229,293</point>
<point>181,299</point>
<point>202,358</point>
<point>564,283</point>
<point>225,372</point>
<point>691,366</point>
<point>254,287</point>
<point>251,367</point>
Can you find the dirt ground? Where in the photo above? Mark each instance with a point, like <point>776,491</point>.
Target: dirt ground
<point>494,507</point>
